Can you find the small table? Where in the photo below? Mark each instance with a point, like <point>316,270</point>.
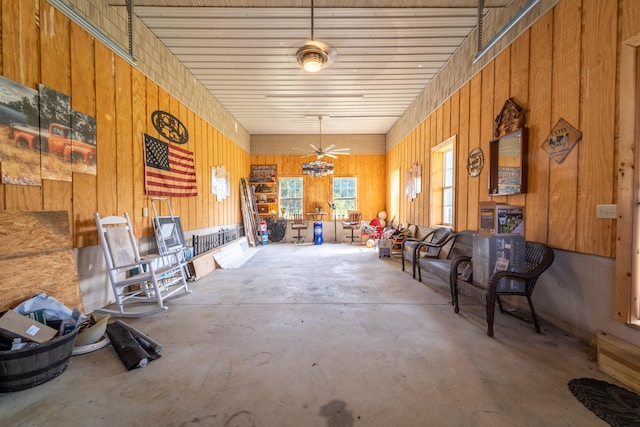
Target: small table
<point>317,216</point>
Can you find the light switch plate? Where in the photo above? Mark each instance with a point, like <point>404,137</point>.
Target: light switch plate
<point>607,211</point>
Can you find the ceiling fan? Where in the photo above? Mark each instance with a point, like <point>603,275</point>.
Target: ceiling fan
<point>329,151</point>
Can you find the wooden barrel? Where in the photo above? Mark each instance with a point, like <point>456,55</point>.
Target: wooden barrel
<point>29,367</point>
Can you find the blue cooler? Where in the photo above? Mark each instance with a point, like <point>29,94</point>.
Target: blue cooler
<point>317,233</point>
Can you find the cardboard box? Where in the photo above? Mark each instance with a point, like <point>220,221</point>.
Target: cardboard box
<point>501,219</point>
<point>25,327</point>
<point>506,251</point>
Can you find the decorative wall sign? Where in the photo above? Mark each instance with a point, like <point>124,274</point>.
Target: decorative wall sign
<point>475,162</point>
<point>561,140</point>
<point>170,127</point>
<point>263,173</point>
<point>317,168</point>
<point>510,119</point>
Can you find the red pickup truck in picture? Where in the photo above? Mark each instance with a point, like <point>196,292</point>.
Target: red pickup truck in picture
<point>59,140</point>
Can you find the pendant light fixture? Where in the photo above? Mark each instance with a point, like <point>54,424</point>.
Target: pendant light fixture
<point>315,55</point>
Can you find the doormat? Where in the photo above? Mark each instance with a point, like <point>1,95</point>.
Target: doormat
<point>617,406</point>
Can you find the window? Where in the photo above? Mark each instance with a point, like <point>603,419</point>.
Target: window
<point>447,188</point>
<point>291,195</point>
<point>442,183</point>
<point>344,193</point>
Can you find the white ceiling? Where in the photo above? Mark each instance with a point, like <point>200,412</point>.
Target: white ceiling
<point>243,52</point>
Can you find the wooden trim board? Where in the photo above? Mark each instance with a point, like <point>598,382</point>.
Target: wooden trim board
<point>619,359</point>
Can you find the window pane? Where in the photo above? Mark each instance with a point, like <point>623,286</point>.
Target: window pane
<point>447,218</point>
<point>344,195</point>
<point>447,196</point>
<point>448,159</point>
<point>448,168</point>
<point>290,195</point>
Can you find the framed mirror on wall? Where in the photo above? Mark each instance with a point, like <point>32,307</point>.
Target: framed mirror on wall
<point>508,164</point>
<point>508,152</point>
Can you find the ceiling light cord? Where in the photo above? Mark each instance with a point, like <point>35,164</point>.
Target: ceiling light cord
<point>311,20</point>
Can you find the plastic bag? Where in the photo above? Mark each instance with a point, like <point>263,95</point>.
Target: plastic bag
<point>52,308</point>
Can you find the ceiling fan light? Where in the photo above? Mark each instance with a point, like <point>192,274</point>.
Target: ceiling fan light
<point>312,63</point>
<point>312,58</point>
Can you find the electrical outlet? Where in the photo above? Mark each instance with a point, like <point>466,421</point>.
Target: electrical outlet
<point>607,211</point>
<point>145,211</point>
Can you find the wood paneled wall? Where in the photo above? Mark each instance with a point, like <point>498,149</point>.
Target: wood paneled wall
<point>564,66</point>
<point>52,50</point>
<point>368,169</point>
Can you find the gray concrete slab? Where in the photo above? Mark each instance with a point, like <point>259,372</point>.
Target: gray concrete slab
<point>327,335</point>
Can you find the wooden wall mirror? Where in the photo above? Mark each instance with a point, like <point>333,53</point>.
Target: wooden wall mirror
<point>508,152</point>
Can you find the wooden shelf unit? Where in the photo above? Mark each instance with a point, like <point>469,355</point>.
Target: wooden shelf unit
<point>264,180</point>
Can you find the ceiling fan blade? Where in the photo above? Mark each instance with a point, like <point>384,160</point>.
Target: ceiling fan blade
<point>331,155</point>
<point>315,148</point>
<point>340,149</point>
<point>329,147</point>
<point>342,153</point>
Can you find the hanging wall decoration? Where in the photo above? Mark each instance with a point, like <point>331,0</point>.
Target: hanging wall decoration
<point>561,140</point>
<point>169,171</point>
<point>19,134</point>
<point>83,143</point>
<point>475,162</point>
<point>413,182</point>
<point>317,168</point>
<point>220,182</point>
<point>41,137</point>
<point>170,127</point>
<point>55,134</point>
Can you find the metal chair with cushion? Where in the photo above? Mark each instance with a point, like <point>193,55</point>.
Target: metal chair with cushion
<point>412,249</point>
<point>538,258</point>
<point>298,223</point>
<point>353,223</point>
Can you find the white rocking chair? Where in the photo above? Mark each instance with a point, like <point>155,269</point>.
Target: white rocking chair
<point>134,279</point>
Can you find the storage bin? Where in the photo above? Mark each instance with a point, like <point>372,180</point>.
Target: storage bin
<point>29,367</point>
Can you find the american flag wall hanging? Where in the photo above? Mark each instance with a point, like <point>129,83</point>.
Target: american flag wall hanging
<point>169,170</point>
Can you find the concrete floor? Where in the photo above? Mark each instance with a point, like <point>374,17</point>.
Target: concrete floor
<point>326,335</point>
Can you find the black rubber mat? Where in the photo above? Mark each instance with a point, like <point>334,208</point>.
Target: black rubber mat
<point>617,406</point>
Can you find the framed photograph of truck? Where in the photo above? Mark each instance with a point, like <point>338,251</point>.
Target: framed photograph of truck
<point>55,133</point>
<point>19,134</point>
